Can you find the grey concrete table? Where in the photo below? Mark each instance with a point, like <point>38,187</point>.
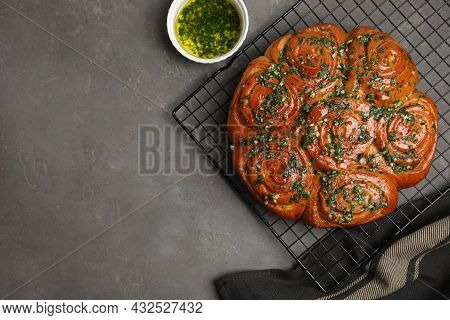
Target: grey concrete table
<point>77,79</point>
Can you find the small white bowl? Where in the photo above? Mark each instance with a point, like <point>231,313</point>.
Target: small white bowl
<point>175,8</point>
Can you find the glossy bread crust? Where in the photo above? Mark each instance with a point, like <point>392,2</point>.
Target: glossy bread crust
<point>328,206</point>
<point>263,161</point>
<point>382,70</point>
<point>411,128</point>
<point>328,125</point>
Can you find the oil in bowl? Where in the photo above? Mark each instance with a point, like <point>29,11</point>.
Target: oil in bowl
<point>208,28</point>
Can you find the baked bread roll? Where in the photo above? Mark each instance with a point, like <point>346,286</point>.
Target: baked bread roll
<point>342,132</point>
<point>382,71</point>
<point>328,126</point>
<point>313,53</point>
<point>276,170</point>
<point>265,98</point>
<point>406,140</point>
<point>349,198</point>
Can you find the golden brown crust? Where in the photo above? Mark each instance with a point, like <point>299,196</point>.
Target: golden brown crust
<point>407,140</point>
<point>311,50</point>
<point>349,198</point>
<point>249,95</point>
<point>324,105</point>
<point>340,121</point>
<point>276,170</point>
<point>382,70</point>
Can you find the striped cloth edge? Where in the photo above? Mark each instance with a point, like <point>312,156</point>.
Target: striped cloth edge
<point>389,273</point>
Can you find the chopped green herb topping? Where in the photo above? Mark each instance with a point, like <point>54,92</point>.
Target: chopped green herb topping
<point>407,116</point>
<point>309,138</point>
<point>370,97</point>
<point>301,192</point>
<point>208,28</point>
<point>364,135</point>
<point>381,112</point>
<point>328,179</point>
<point>259,180</point>
<point>364,39</point>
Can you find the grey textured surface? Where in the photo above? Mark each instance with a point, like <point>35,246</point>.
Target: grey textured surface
<point>77,78</point>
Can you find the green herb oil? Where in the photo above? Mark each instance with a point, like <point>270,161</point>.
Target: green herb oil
<point>208,28</point>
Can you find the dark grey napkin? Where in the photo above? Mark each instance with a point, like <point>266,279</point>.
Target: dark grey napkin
<point>417,260</point>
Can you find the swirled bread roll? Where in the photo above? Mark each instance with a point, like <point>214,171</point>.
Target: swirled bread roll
<point>277,171</point>
<point>263,99</point>
<point>349,198</point>
<point>406,139</point>
<point>316,53</point>
<point>329,125</point>
<point>381,70</point>
<point>342,132</point>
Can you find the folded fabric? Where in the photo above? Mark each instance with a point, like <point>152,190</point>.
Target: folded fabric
<point>415,265</point>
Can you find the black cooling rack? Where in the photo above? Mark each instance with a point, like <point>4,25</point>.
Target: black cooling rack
<point>422,28</point>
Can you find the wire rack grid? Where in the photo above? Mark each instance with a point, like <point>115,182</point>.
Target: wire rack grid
<point>331,255</point>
